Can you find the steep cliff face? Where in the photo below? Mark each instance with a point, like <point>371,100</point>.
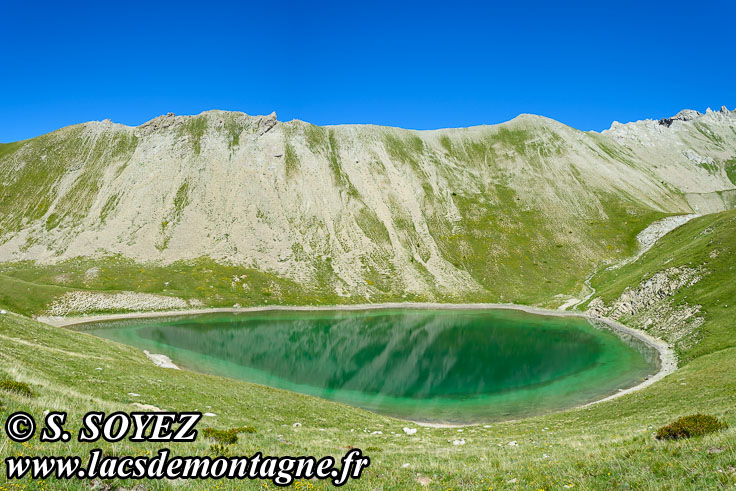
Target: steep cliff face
<point>528,204</point>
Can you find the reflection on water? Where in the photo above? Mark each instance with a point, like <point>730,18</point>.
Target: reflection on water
<point>424,364</point>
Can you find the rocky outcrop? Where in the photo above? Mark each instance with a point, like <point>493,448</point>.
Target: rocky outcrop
<point>649,306</point>
<point>157,124</point>
<point>697,158</point>
<point>79,302</point>
<point>684,115</point>
<point>661,285</point>
<point>266,123</point>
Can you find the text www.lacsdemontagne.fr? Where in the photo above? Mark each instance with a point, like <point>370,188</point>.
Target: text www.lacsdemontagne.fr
<point>282,471</point>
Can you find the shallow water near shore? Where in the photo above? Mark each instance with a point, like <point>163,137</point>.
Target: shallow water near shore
<point>449,366</point>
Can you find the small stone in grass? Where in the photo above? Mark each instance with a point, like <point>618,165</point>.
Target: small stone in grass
<point>424,481</point>
<point>297,425</point>
<point>210,414</point>
<point>133,394</point>
<point>405,466</point>
<point>409,431</point>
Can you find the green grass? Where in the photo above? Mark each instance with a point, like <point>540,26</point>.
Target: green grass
<point>32,189</point>
<point>405,149</point>
<point>291,161</point>
<point>26,297</point>
<point>108,207</point>
<point>194,127</point>
<point>730,168</point>
<point>316,138</point>
<point>181,200</point>
<point>234,126</point>
<point>707,132</point>
<point>529,144</point>
<point>515,139</point>
<point>612,151</point>
<point>335,162</point>
<point>28,288</point>
<point>372,226</point>
<point>10,148</point>
<point>323,142</point>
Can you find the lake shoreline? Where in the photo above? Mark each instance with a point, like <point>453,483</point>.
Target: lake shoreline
<point>667,358</point>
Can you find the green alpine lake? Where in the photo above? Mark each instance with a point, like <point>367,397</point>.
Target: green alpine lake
<point>451,366</point>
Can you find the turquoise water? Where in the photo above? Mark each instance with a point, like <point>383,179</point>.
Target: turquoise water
<point>456,366</point>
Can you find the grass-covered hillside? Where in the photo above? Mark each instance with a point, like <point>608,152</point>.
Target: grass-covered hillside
<point>517,212</point>
<point>683,290</point>
<point>606,446</point>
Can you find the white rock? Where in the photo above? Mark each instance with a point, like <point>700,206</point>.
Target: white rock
<point>459,442</point>
<point>512,443</point>
<point>409,431</point>
<point>159,360</point>
<point>133,394</point>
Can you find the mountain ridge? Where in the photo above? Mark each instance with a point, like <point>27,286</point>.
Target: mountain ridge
<point>689,114</point>
<point>363,211</point>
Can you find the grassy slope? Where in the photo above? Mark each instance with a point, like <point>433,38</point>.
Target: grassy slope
<point>605,446</point>
<point>708,242</point>
<point>29,189</point>
<point>492,239</point>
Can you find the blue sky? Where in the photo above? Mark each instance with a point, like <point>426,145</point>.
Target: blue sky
<point>410,64</point>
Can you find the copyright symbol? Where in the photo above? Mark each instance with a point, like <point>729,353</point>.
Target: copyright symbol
<point>20,427</point>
